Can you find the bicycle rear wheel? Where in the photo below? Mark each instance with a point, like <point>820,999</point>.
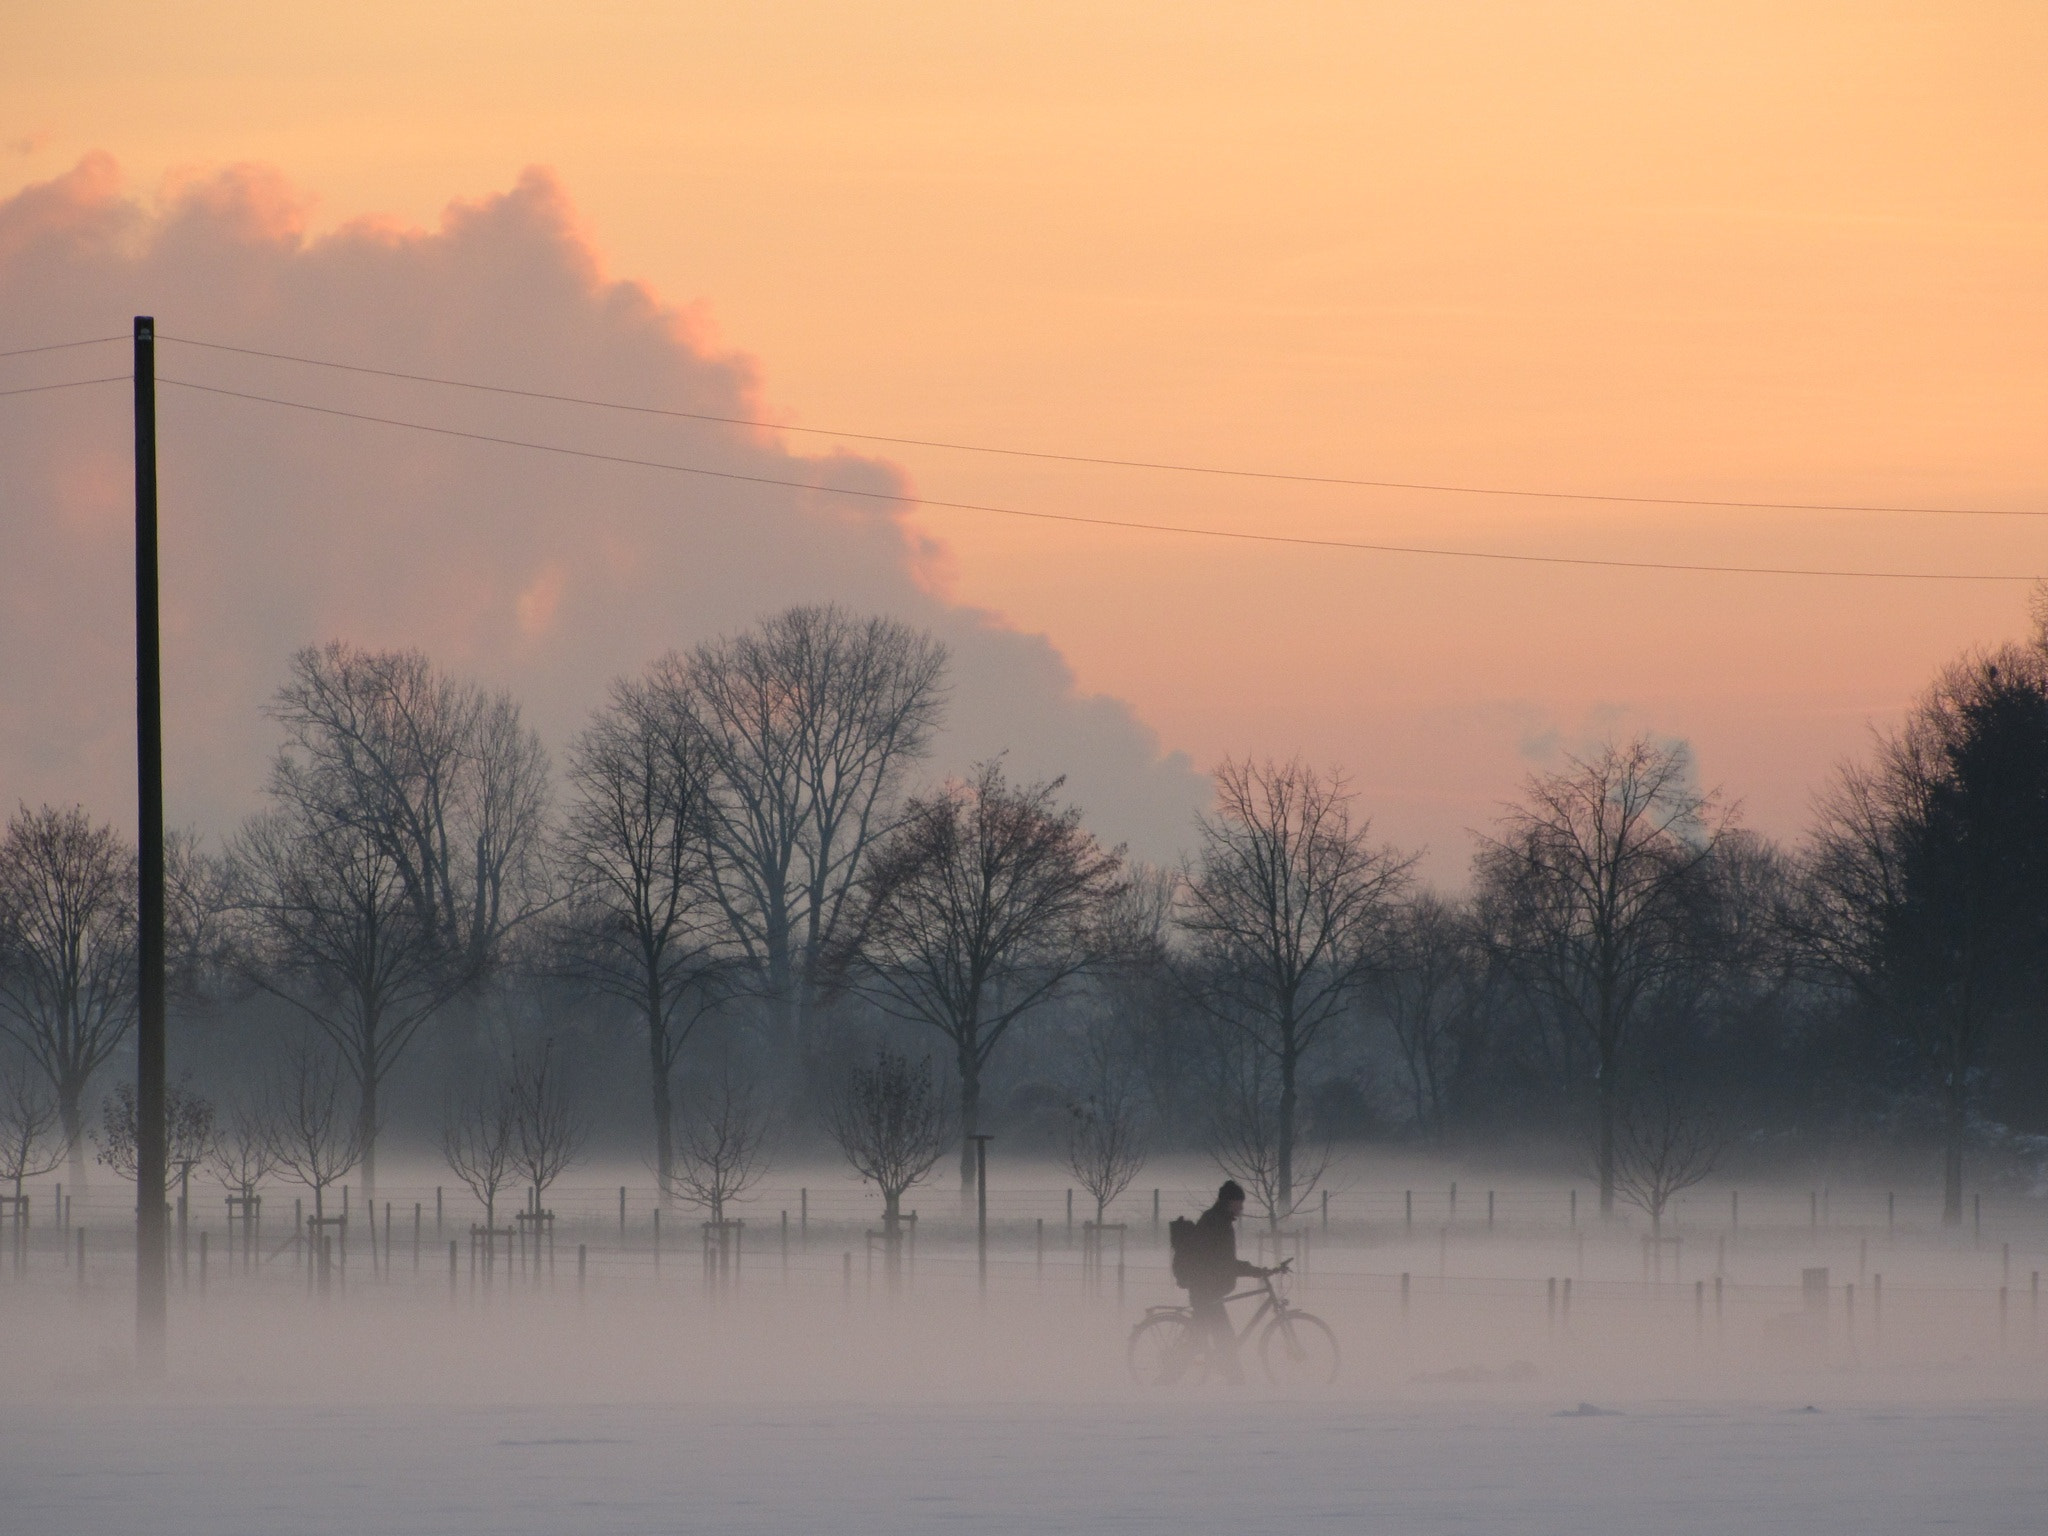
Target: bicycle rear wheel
<point>1162,1351</point>
<point>1298,1350</point>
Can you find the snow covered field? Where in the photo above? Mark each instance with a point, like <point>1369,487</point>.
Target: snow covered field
<point>229,1469</point>
<point>812,1399</point>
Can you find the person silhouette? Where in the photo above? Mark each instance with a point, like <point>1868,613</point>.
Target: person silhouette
<point>1212,1276</point>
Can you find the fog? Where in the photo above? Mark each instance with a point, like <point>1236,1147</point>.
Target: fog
<point>611,1384</point>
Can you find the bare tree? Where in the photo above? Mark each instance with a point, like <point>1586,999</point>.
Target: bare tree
<point>198,919</point>
<point>1662,1147</point>
<point>1926,891</point>
<point>1287,907</point>
<point>1143,1023</point>
<point>1106,1143</point>
<point>479,1141</point>
<point>641,923</point>
<point>28,1115</point>
<point>1250,1138</point>
<point>329,927</point>
<point>67,952</point>
<point>404,847</point>
<point>547,1130</point>
<point>1431,995</point>
<point>244,1151</point>
<point>890,1122</point>
<point>188,1126</point>
<point>317,1138</point>
<point>809,722</point>
<point>441,778</point>
<point>981,904</point>
<point>724,1148</point>
<point>1593,890</point>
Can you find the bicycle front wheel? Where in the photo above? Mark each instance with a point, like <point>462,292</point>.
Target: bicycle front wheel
<point>1298,1350</point>
<point>1162,1351</point>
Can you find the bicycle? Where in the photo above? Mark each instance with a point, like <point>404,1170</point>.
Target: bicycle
<point>1296,1348</point>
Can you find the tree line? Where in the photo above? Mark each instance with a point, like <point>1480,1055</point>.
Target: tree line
<point>737,877</point>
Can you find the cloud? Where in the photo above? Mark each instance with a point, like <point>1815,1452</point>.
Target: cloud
<point>540,572</point>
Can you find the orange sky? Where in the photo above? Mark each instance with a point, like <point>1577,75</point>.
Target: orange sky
<point>1769,250</point>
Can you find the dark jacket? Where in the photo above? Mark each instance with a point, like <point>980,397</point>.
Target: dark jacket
<point>1216,1268</point>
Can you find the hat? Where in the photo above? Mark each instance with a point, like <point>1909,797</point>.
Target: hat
<point>1231,1190</point>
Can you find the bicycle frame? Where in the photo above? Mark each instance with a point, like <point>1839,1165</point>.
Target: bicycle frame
<point>1274,1305</point>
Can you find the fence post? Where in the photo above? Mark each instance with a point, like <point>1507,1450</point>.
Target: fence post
<point>416,1237</point>
<point>1489,1210</point>
<point>1155,1209</point>
<point>846,1277</point>
<point>437,1213</point>
<point>622,1214</point>
<point>803,1218</point>
<point>452,1272</point>
<point>202,1261</point>
<point>1326,1209</point>
<point>785,1245</point>
<point>1575,1210</point>
<point>1041,1253</point>
<point>1408,1210</point>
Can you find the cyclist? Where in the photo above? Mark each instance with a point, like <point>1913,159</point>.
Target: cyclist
<point>1213,1271</point>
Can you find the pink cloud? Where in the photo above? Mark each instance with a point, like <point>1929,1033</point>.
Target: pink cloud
<point>544,573</point>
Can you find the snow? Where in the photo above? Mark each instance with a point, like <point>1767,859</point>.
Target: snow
<point>214,1469</point>
<point>813,1399</point>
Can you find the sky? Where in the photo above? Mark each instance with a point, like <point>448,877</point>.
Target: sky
<point>1728,252</point>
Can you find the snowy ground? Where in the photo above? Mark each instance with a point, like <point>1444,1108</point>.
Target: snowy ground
<point>813,1399</point>
<point>216,1469</point>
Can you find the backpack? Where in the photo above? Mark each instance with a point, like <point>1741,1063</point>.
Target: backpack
<point>1180,1241</point>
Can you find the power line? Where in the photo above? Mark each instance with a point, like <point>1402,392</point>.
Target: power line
<point>1119,463</point>
<point>1095,522</point>
<point>37,389</point>
<point>63,346</point>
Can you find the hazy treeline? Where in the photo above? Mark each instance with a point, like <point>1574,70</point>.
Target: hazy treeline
<point>735,914</point>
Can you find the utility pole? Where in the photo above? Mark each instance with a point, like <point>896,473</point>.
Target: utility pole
<point>151,1150</point>
<point>981,1208</point>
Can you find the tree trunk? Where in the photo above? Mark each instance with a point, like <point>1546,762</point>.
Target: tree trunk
<point>1955,1118</point>
<point>664,1106</point>
<point>970,1118</point>
<point>73,1124</point>
<point>366,1122</point>
<point>1606,1153</point>
<point>892,1217</point>
<point>1289,1059</point>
